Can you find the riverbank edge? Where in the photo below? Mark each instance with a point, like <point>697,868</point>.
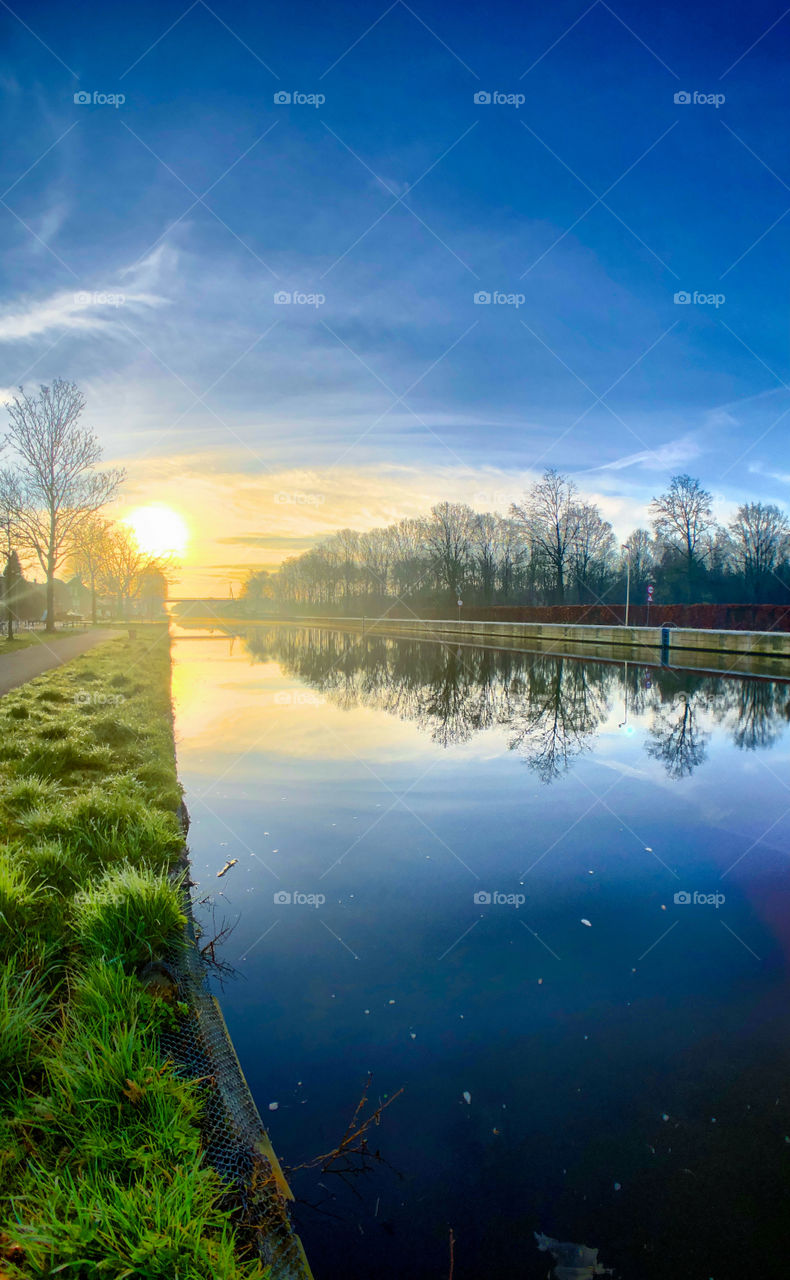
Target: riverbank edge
<point>235,1120</point>
<point>669,640</point>
<point>184,955</point>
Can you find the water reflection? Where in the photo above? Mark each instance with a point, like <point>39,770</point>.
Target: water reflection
<point>552,707</point>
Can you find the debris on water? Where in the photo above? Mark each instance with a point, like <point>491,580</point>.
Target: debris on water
<point>713,1119</point>
<point>572,1261</point>
<point>467,1097</point>
<point>587,922</point>
<point>664,1116</point>
<point>390,1002</point>
<point>591,873</point>
<point>230,863</point>
<point>367,1011</point>
<point>413,1035</point>
<point>618,1186</point>
<point>274,1106</point>
<point>540,982</point>
<point>648,849</point>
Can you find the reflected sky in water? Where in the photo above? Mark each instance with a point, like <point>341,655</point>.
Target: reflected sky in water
<point>462,813</point>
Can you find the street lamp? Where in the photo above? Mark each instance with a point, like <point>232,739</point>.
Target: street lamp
<point>627,548</point>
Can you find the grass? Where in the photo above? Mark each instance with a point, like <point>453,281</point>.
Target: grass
<point>101,1157</point>
<point>25,639</point>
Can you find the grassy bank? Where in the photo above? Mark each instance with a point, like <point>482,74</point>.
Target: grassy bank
<point>100,1148</point>
<point>25,639</point>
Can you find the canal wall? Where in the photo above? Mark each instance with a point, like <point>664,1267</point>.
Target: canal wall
<point>666,641</point>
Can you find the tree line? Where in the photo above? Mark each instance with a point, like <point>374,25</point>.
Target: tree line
<point>51,501</point>
<point>552,547</point>
<point>551,707</point>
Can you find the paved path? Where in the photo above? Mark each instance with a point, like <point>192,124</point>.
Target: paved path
<point>18,668</point>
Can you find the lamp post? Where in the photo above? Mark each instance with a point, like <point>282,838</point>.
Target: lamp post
<point>627,548</point>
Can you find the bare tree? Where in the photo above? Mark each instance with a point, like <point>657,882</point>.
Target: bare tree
<point>593,552</point>
<point>760,541</point>
<point>551,517</point>
<point>124,567</point>
<point>91,548</point>
<point>54,488</point>
<point>682,517</point>
<point>448,535</point>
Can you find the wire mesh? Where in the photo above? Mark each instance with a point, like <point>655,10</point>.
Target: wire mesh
<point>236,1143</point>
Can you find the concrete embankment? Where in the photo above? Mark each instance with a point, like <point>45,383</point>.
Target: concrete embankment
<point>774,644</point>
<point>747,652</point>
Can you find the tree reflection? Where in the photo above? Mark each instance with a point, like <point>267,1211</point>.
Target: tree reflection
<point>552,706</point>
<point>678,739</point>
<point>565,703</point>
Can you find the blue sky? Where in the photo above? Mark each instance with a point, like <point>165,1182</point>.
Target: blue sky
<point>143,246</point>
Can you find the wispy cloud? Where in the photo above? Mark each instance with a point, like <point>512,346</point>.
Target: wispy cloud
<point>674,453</point>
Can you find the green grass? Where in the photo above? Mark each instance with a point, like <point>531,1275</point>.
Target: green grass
<point>26,639</point>
<point>131,916</point>
<point>100,1144</point>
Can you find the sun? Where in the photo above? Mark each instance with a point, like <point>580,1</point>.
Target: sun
<point>159,530</point>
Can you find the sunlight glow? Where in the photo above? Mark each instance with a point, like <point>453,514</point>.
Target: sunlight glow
<point>159,530</point>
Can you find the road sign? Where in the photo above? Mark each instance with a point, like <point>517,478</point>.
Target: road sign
<point>650,589</point>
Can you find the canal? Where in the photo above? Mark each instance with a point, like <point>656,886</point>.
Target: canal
<point>548,900</point>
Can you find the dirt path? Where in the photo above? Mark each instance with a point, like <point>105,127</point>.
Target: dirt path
<point>18,668</point>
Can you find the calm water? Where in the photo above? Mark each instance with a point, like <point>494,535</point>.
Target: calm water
<point>621,1083</point>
